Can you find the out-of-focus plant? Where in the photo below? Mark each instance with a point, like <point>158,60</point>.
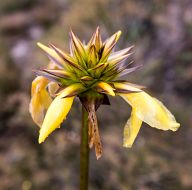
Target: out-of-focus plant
<point>91,72</point>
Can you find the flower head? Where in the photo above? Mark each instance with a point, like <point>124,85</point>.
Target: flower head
<point>91,72</point>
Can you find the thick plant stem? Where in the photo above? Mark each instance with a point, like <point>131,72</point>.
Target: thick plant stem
<point>84,152</point>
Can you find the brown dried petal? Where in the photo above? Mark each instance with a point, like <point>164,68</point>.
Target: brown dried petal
<point>94,131</point>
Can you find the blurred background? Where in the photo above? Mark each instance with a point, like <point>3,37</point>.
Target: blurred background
<point>162,34</point>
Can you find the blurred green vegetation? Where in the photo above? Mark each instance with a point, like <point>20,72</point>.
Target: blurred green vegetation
<point>162,34</point>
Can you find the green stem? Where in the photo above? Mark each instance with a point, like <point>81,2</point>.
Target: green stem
<point>84,152</point>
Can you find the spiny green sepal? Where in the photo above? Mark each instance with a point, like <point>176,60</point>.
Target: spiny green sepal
<point>93,65</point>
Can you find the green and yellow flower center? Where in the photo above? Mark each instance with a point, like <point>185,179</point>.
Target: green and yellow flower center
<point>92,66</point>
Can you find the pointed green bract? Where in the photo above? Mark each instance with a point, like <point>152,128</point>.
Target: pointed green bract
<point>93,57</point>
<point>97,39</point>
<point>109,45</point>
<point>92,61</point>
<point>59,73</point>
<point>72,90</point>
<point>78,46</point>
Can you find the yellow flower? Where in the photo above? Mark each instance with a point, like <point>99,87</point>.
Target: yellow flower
<point>55,115</point>
<point>149,110</point>
<point>40,100</point>
<point>90,72</point>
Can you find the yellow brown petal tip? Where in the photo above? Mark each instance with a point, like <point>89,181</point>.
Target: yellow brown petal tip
<point>45,48</point>
<point>40,140</point>
<point>118,35</point>
<point>55,115</point>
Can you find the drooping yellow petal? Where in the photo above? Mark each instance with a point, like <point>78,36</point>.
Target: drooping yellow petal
<point>131,129</point>
<point>55,115</point>
<point>151,111</point>
<point>45,98</point>
<point>40,99</point>
<point>106,87</point>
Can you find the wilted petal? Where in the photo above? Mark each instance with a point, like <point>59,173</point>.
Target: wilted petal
<point>40,99</point>
<point>131,129</point>
<point>52,88</point>
<point>151,111</point>
<point>94,137</point>
<point>55,115</point>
